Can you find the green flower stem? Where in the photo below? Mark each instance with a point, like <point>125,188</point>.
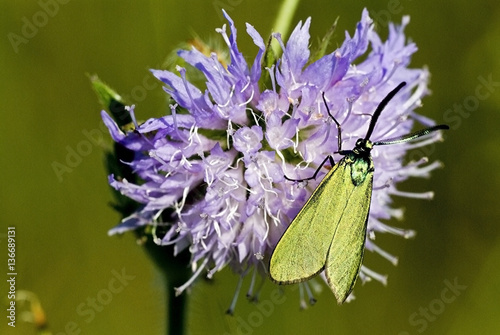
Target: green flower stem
<point>175,273</point>
<point>176,311</point>
<point>283,22</point>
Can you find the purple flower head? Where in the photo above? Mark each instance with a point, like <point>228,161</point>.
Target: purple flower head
<point>217,163</point>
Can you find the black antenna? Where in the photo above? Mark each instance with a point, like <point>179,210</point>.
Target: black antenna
<point>381,107</point>
<point>412,136</point>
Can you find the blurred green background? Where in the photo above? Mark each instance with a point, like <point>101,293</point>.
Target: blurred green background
<point>65,256</point>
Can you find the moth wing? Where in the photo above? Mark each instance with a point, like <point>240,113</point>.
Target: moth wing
<point>346,251</point>
<point>302,250</point>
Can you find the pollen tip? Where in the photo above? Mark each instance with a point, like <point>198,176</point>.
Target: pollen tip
<point>384,280</point>
<point>409,234</point>
<point>303,305</point>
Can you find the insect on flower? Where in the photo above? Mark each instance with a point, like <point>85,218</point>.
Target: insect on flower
<point>211,172</point>
<point>329,232</point>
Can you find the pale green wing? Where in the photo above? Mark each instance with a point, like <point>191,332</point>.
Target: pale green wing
<point>302,250</point>
<point>346,252</point>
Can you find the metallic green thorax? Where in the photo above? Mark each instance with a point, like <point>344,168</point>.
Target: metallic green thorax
<point>361,161</point>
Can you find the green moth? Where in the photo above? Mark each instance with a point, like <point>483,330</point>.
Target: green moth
<point>330,230</point>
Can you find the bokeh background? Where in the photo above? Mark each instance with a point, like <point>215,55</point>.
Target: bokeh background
<point>65,256</point>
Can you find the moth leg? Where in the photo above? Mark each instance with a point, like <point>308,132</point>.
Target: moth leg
<point>332,162</point>
<point>339,137</point>
<point>329,157</point>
